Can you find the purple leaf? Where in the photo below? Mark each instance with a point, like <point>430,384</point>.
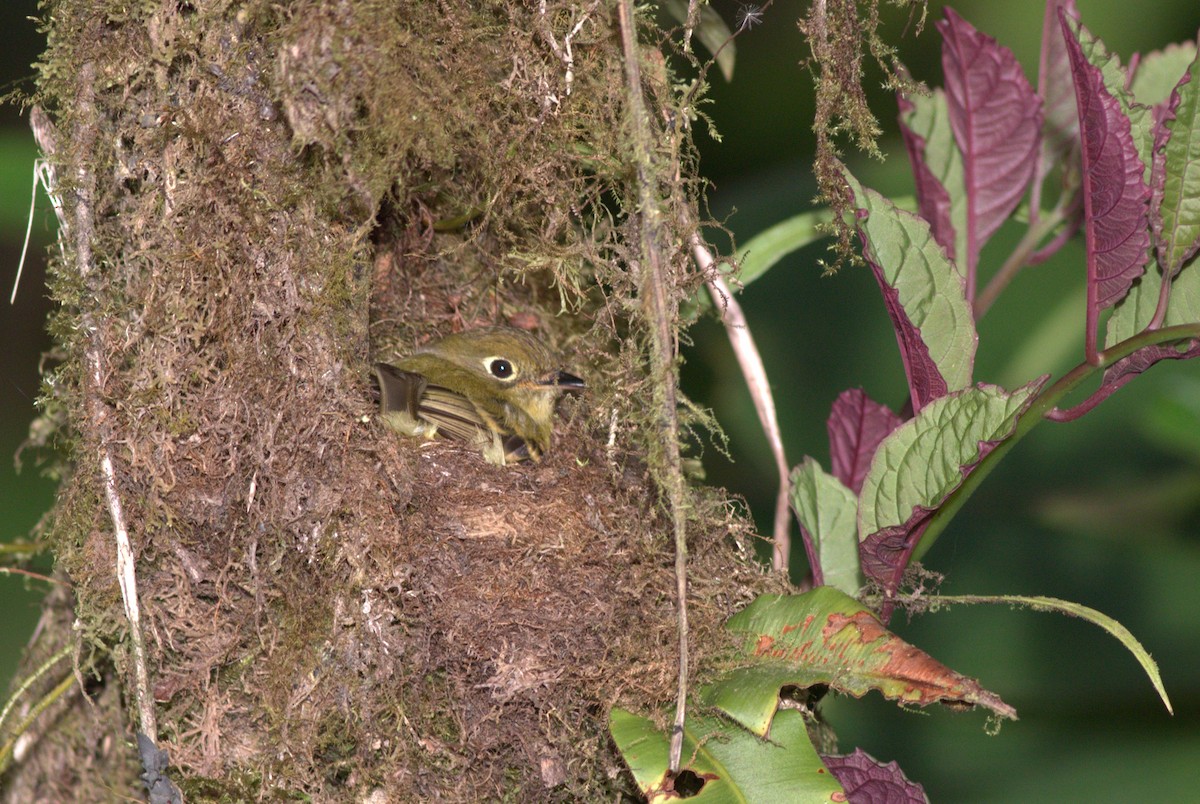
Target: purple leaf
<point>884,555</point>
<point>933,200</point>
<point>866,780</point>
<point>856,425</point>
<point>997,121</point>
<point>1115,196</point>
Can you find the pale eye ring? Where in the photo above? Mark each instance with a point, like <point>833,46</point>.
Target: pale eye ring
<point>500,368</point>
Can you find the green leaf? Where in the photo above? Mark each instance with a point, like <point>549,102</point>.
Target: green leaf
<point>929,288</point>
<point>829,512</point>
<point>1094,617</point>
<point>762,252</point>
<point>734,765</point>
<point>925,459</point>
<point>712,32</point>
<point>772,245</point>
<point>930,120</point>
<point>827,637</point>
<point>1180,207</point>
<point>1158,73</point>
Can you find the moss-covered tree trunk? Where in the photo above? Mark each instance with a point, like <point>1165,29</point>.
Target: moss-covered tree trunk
<point>259,199</point>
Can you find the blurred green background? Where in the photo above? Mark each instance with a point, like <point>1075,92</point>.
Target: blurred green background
<point>24,496</point>
<point>1102,511</point>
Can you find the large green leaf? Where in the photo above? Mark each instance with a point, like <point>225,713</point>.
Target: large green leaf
<point>925,459</point>
<point>930,120</point>
<point>1158,72</point>
<point>829,512</point>
<point>927,286</point>
<point>733,765</point>
<point>827,637</point>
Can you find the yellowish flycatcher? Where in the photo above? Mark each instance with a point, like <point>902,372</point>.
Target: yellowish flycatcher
<point>494,388</point>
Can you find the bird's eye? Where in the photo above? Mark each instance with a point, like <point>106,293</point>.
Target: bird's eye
<point>500,368</point>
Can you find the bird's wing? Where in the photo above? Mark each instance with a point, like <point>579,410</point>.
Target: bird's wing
<point>407,399</point>
<point>453,414</point>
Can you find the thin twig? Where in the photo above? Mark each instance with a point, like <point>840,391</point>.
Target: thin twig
<point>10,748</point>
<point>81,232</point>
<point>744,347</point>
<point>659,312</point>
<point>1018,259</point>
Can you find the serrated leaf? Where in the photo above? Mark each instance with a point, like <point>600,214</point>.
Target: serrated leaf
<point>866,779</point>
<point>856,425</point>
<point>828,511</point>
<point>921,463</point>
<point>1179,206</point>
<point>1157,73</point>
<point>827,637</point>
<point>924,295</point>
<point>997,123</point>
<point>937,169</point>
<point>712,32</point>
<point>1115,80</point>
<point>1116,196</point>
<point>734,765</point>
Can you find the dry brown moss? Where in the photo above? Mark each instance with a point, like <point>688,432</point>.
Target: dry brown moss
<point>280,194</point>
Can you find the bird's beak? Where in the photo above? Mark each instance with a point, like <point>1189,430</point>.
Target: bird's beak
<point>568,382</point>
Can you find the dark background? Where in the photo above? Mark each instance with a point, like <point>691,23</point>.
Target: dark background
<point>1102,511</point>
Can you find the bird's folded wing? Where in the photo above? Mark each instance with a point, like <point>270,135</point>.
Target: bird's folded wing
<point>453,414</point>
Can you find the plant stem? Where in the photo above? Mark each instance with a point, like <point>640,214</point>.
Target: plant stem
<point>659,311</point>
<point>1017,260</point>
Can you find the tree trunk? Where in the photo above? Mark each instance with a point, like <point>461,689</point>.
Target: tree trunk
<point>260,199</point>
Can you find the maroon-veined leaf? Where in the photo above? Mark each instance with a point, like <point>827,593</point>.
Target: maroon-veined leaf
<point>855,426</point>
<point>937,170</point>
<point>997,120</point>
<point>1115,195</point>
<point>1178,206</point>
<point>922,463</point>
<point>868,780</point>
<point>1060,129</point>
<point>923,293</point>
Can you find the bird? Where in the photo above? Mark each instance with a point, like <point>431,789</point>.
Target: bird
<point>494,388</point>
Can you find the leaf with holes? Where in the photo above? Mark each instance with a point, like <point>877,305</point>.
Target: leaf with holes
<point>722,762</point>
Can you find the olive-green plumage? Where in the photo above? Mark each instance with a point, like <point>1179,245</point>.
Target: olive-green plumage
<point>494,388</point>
